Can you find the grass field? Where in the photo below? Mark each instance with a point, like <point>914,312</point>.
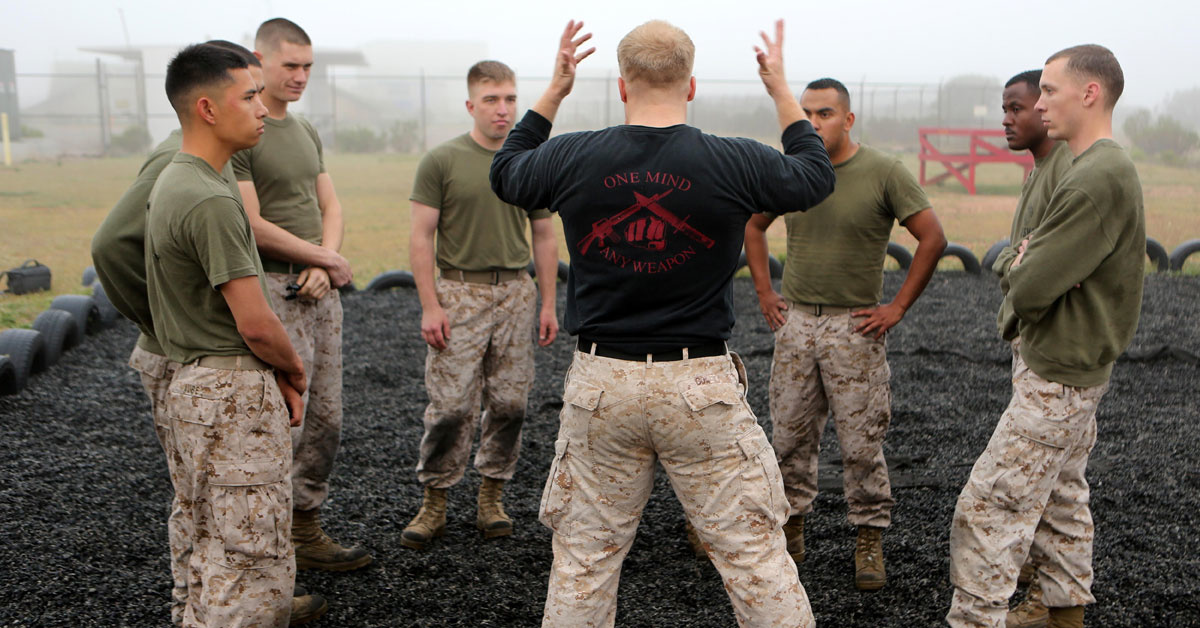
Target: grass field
<point>49,211</point>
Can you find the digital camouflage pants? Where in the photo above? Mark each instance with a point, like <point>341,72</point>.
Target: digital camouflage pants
<point>618,418</point>
<point>1027,495</point>
<point>487,366</point>
<point>156,372</point>
<point>822,364</point>
<point>229,430</point>
<point>315,329</point>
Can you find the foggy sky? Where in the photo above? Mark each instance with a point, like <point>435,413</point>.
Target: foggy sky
<point>921,41</point>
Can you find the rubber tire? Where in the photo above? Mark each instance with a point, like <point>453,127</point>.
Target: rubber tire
<point>349,288</point>
<point>563,270</point>
<point>900,254</point>
<point>1181,253</point>
<point>969,261</point>
<point>84,310</point>
<point>108,312</point>
<point>993,254</point>
<point>24,348</point>
<point>1158,255</point>
<point>774,266</point>
<point>89,277</point>
<point>8,377</point>
<point>392,279</point>
<point>59,333</point>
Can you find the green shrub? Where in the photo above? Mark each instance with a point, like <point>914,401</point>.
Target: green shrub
<point>360,140</point>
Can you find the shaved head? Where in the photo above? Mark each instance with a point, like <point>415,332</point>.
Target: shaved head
<point>274,31</point>
<point>656,53</point>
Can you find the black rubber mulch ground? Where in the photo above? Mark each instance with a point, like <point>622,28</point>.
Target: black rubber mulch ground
<point>84,489</point>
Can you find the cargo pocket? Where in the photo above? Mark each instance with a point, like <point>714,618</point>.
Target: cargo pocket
<point>556,496</point>
<point>251,512</point>
<point>762,483</point>
<point>200,395</point>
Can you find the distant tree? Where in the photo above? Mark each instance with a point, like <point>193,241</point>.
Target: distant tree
<point>1185,107</point>
<point>1165,138</point>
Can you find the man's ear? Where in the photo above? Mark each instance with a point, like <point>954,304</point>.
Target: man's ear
<point>1091,93</point>
<point>621,89</point>
<point>849,121</point>
<point>206,110</point>
<point>259,55</point>
<point>691,88</point>
<point>470,107</point>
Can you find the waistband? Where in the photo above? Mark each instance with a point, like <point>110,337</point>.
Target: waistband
<point>704,350</point>
<point>233,363</point>
<point>819,309</point>
<point>276,266</point>
<point>492,277</point>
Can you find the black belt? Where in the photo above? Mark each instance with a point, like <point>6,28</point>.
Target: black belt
<point>705,350</point>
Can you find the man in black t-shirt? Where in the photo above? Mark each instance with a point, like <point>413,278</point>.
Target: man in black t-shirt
<point>654,213</point>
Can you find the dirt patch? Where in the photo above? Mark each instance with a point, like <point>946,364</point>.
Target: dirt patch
<point>84,498</point>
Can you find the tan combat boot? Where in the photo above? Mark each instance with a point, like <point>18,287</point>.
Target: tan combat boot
<point>1031,612</point>
<point>315,550</point>
<point>693,539</point>
<point>430,521</point>
<point>869,574</point>
<point>1066,617</point>
<point>794,531</point>
<point>306,607</point>
<point>490,517</point>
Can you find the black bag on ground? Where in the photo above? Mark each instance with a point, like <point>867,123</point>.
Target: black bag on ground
<point>28,277</point>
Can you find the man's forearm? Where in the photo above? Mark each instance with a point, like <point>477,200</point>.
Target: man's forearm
<point>420,256</point>
<point>274,348</point>
<point>788,109</point>
<point>925,260</point>
<point>756,258</point>
<point>278,243</point>
<point>545,259</point>
<point>332,227</point>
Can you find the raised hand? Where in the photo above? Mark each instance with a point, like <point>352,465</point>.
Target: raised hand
<point>770,61</point>
<point>568,58</point>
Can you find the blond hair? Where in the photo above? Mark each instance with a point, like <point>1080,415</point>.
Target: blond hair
<point>656,52</point>
<point>1091,62</point>
<point>272,32</point>
<point>493,71</point>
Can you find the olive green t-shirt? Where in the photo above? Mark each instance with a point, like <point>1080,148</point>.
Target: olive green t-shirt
<point>476,230</point>
<point>197,238</point>
<point>118,252</point>
<point>1031,210</point>
<point>284,166</point>
<point>836,250</point>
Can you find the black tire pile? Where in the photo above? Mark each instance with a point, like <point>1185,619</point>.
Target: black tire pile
<point>84,499</point>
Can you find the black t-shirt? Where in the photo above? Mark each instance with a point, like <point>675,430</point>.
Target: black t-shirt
<point>655,218</point>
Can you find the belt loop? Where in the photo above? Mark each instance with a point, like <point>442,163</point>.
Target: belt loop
<point>593,350</point>
<point>685,353</point>
<point>649,359</point>
<point>495,277</point>
<point>237,361</point>
<point>818,308</point>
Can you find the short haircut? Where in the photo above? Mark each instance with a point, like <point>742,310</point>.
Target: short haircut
<point>1032,78</point>
<point>493,71</point>
<point>656,52</point>
<point>829,83</point>
<point>238,48</point>
<point>199,66</point>
<point>272,32</point>
<point>1093,62</point>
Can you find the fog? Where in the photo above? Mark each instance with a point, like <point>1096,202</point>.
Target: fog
<point>912,41</point>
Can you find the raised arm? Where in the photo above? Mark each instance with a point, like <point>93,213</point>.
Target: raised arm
<point>565,61</point>
<point>770,70</point>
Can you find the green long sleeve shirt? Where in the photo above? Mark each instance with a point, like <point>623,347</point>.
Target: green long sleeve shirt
<point>1093,235</point>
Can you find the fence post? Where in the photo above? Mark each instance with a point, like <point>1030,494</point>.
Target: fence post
<point>5,139</point>
<point>102,97</point>
<point>424,122</point>
<point>333,116</point>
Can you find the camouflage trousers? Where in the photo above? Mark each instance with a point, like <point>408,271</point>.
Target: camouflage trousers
<point>230,433</point>
<point>315,329</point>
<point>822,364</point>
<point>1027,495</point>
<point>487,365</point>
<point>156,372</point>
<point>618,418</point>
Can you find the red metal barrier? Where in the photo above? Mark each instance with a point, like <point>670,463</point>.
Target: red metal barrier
<point>980,151</point>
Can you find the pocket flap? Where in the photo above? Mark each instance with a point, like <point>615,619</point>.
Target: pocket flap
<point>248,472</point>
<point>753,443</point>
<point>560,447</point>
<point>582,395</point>
<point>699,397</point>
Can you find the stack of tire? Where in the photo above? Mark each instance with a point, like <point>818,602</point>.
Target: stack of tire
<point>26,352</point>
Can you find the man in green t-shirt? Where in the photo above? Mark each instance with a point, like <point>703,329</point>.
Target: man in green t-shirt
<point>478,315</point>
<point>118,253</point>
<point>830,327</point>
<point>297,222</point>
<point>229,411</point>
<point>1024,130</point>
<point>1075,288</point>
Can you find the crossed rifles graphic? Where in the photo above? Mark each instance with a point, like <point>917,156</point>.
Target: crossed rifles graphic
<point>602,229</point>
